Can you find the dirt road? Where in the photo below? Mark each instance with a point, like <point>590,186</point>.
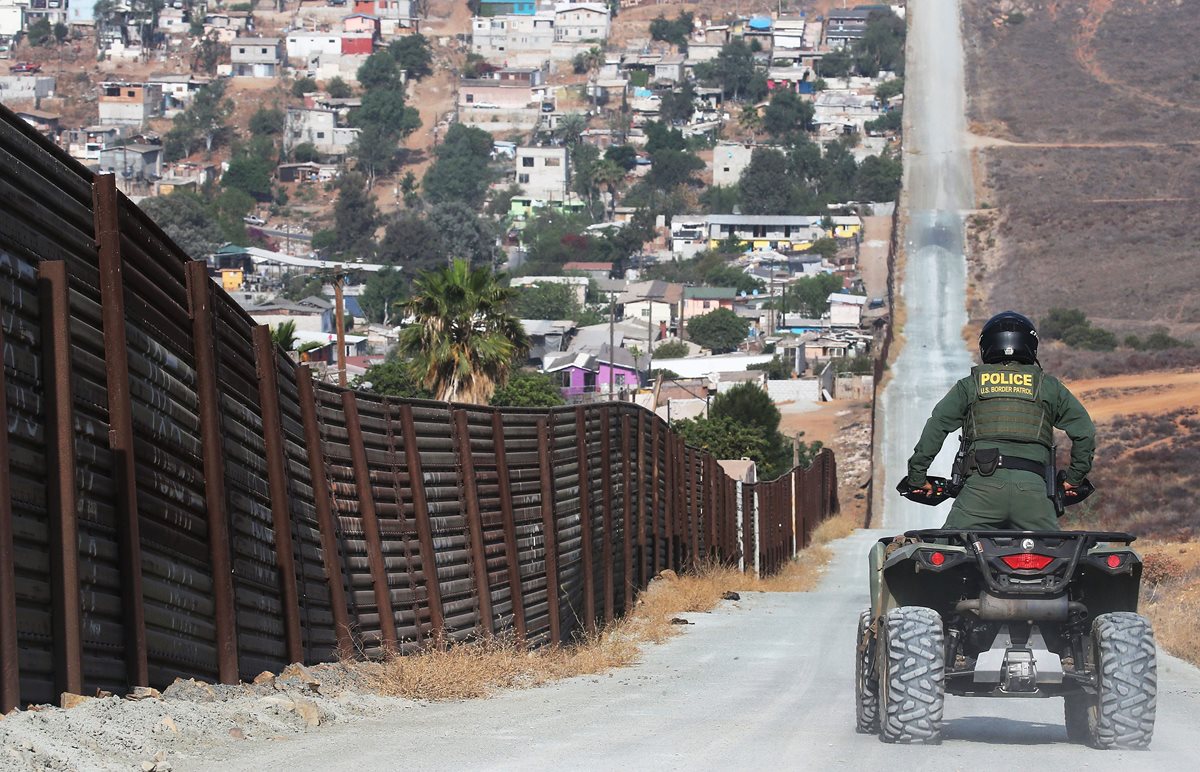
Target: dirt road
<point>1107,398</point>
<point>765,682</point>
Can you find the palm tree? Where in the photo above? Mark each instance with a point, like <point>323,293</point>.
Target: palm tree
<point>284,335</point>
<point>463,341</point>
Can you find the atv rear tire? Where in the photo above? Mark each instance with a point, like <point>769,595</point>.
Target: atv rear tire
<point>1122,715</point>
<point>912,690</point>
<point>866,682</point>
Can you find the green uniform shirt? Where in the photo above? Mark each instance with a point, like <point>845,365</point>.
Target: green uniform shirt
<point>1065,411</point>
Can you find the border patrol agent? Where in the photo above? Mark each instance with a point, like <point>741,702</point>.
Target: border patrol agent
<point>1008,410</point>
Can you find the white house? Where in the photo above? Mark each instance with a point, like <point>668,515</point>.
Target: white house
<point>575,22</point>
<point>255,57</point>
<point>543,172</point>
<point>846,310</point>
<point>303,46</point>
<point>319,128</point>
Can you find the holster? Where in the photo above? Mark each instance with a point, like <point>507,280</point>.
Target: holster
<point>986,461</point>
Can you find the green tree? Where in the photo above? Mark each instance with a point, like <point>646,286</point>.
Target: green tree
<point>1058,322</point>
<point>393,378</point>
<point>380,71</point>
<point>284,335</point>
<point>548,301</point>
<point>205,121</point>
<point>836,64</point>
<point>732,71</point>
<point>228,208</point>
<point>355,217</point>
<point>305,152</point>
<point>787,114</point>
<point>188,221</point>
<point>767,185</point>
<point>412,243</point>
<point>382,295</point>
<point>882,44</point>
<point>40,32</point>
<point>672,349</point>
<point>526,389</point>
<point>720,330</point>
<point>267,121</point>
<point>720,199</point>
<point>672,168</point>
<point>338,88</point>
<point>892,120</point>
<point>388,109</point>
<point>878,178</point>
<point>624,156</point>
<point>464,340</point>
<point>376,151</point>
<point>461,171</point>
<point>678,105</point>
<point>303,86</point>
<point>413,55</point>
<point>889,88</point>
<point>749,405</point>
<point>300,286</point>
<point>250,171</point>
<point>810,295</point>
<point>674,31</point>
<point>464,234</point>
<point>724,438</point>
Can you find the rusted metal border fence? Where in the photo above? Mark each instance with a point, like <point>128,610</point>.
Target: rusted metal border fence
<point>180,499</point>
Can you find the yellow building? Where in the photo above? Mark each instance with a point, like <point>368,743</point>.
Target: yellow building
<point>232,279</point>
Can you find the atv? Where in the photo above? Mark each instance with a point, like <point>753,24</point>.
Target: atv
<point>1006,614</point>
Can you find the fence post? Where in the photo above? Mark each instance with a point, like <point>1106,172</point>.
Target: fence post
<point>655,540</point>
<point>10,676</point>
<point>334,574</point>
<point>694,506</point>
<point>205,348</point>
<point>475,543</point>
<point>61,486</point>
<point>549,531</point>
<point>106,220</point>
<point>627,523</point>
<point>585,521</point>
<point>370,521</point>
<point>281,518</point>
<point>749,559</point>
<point>416,480</point>
<point>643,500</point>
<point>512,554</point>
<point>606,518</point>
<point>789,519</point>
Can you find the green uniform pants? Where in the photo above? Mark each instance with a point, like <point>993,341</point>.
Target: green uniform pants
<point>1010,498</point>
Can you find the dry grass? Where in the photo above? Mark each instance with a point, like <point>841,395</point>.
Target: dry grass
<point>1171,595</point>
<point>479,669</point>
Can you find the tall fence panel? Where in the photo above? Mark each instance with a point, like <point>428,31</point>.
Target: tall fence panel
<point>179,498</point>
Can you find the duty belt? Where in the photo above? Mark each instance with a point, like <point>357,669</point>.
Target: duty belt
<point>1013,462</point>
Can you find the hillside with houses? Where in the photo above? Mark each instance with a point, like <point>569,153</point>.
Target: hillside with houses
<point>681,197</point>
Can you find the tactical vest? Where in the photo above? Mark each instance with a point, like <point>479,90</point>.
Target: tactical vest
<point>1007,405</point>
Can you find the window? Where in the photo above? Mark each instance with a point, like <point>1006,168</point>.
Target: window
<point>131,93</point>
<point>708,304</point>
<point>523,179</point>
<point>241,50</point>
<point>470,98</point>
<point>553,162</point>
<point>527,161</point>
<point>320,135</point>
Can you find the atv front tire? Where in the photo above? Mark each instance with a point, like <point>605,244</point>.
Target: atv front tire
<point>866,683</point>
<point>1122,715</point>
<point>913,688</point>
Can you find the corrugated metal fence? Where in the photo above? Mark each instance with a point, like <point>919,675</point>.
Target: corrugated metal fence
<point>181,499</point>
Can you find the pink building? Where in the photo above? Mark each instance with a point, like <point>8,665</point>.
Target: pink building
<point>698,301</point>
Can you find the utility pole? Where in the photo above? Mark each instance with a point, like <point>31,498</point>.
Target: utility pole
<point>339,309</point>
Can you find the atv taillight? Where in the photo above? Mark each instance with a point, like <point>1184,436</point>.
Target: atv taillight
<point>1114,561</point>
<point>1027,561</point>
<point>937,558</point>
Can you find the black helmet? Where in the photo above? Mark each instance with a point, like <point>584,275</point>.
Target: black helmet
<point>1008,336</point>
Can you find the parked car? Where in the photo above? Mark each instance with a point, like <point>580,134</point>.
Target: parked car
<point>253,219</point>
<point>28,67</point>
